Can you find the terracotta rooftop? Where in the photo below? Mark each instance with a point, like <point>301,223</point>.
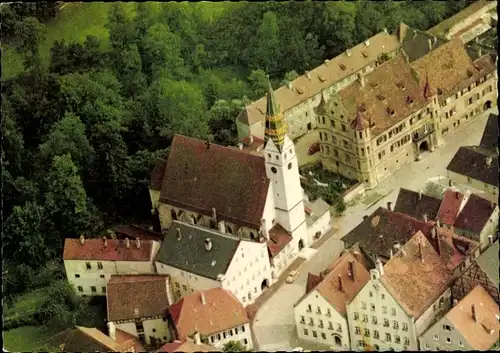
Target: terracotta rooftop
<point>278,239</point>
<point>201,176</point>
<point>220,312</point>
<point>127,341</point>
<point>137,296</point>
<point>312,281</point>
<point>450,206</point>
<point>386,96</point>
<point>324,76</point>
<point>453,248</point>
<point>475,214</point>
<point>133,231</point>
<point>112,250</point>
<point>482,334</point>
<point>416,204</point>
<point>340,286</point>
<point>416,275</point>
<point>445,66</point>
<point>83,339</point>
<point>477,163</point>
<point>415,43</point>
<point>186,346</point>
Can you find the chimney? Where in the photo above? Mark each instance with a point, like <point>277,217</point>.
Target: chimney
<point>265,232</point>
<point>222,227</point>
<point>250,139</point>
<point>455,302</point>
<point>197,338</point>
<point>137,243</point>
<point>208,244</point>
<point>425,217</point>
<point>105,241</point>
<point>474,314</point>
<point>390,253</point>
<point>367,43</point>
<point>430,44</point>
<point>340,284</point>
<point>203,298</point>
<point>178,233</point>
<point>396,247</point>
<point>112,331</point>
<point>214,214</point>
<point>308,75</point>
<point>127,243</point>
<point>389,206</point>
<point>420,195</point>
<point>348,52</point>
<point>289,85</point>
<point>361,80</point>
<point>82,239</point>
<point>385,30</point>
<point>438,223</point>
<point>433,232</point>
<point>240,146</point>
<point>379,266</point>
<point>351,270</point>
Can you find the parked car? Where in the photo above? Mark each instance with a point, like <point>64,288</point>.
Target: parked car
<point>292,276</point>
<point>298,349</point>
<point>314,148</point>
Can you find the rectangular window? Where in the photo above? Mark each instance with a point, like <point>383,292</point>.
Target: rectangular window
<point>93,289</point>
<point>321,323</point>
<point>309,309</point>
<point>395,325</point>
<point>447,327</point>
<point>407,341</point>
<point>218,336</point>
<point>328,312</point>
<point>367,332</point>
<point>388,337</point>
<point>365,318</point>
<point>384,309</point>
<point>323,336</point>
<point>77,275</point>
<point>386,323</point>
<point>356,316</point>
<point>89,267</point>
<point>242,328</point>
<point>357,330</point>
<point>102,276</point>
<point>375,334</point>
<point>330,325</point>
<point>398,339</point>
<point>80,288</point>
<point>372,307</point>
<point>223,335</point>
<point>332,123</point>
<point>339,328</point>
<point>344,128</point>
<point>405,326</point>
<point>104,289</point>
<point>236,331</point>
<point>306,332</point>
<point>302,319</point>
<point>374,320</point>
<point>99,265</point>
<point>315,334</point>
<point>363,305</point>
<point>184,287</point>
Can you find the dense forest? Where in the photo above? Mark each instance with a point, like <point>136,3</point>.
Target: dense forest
<point>81,133</point>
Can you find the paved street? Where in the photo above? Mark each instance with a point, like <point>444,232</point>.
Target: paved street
<point>274,325</point>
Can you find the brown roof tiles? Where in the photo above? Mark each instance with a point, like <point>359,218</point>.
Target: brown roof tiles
<point>416,204</point>
<point>482,334</point>
<point>220,312</point>
<point>475,214</point>
<point>186,346</point>
<point>387,103</point>
<point>416,276</point>
<point>113,250</point>
<point>200,176</point>
<point>278,239</point>
<point>137,296</point>
<point>132,232</point>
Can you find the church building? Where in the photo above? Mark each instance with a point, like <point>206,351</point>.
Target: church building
<point>252,197</point>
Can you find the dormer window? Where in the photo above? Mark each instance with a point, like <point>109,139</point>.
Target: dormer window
<point>342,67</point>
<point>409,100</point>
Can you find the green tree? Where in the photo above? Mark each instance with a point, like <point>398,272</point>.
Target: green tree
<point>266,54</point>
<point>30,33</point>
<point>61,307</point>
<point>65,198</point>
<point>339,20</point>
<point>24,238</point>
<point>120,27</point>
<point>234,346</point>
<point>289,77</point>
<point>13,141</point>
<point>258,83</point>
<point>68,136</point>
<point>129,71</point>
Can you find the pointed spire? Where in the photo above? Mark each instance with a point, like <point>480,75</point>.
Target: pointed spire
<point>320,109</point>
<point>427,87</point>
<point>357,123</point>
<point>276,127</point>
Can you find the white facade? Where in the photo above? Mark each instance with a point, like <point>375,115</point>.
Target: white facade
<point>318,321</point>
<point>321,226</point>
<point>89,277</point>
<point>239,333</point>
<point>248,270</point>
<point>282,260</point>
<point>147,330</point>
<point>377,319</point>
<point>444,337</point>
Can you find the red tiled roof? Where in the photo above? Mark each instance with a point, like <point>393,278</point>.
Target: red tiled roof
<point>450,205</point>
<point>416,275</point>
<point>157,175</point>
<point>127,341</point>
<point>220,312</point>
<point>136,296</point>
<point>475,214</point>
<point>115,250</point>
<point>132,232</point>
<point>278,239</point>
<point>200,176</point>
<point>312,281</point>
<point>186,346</point>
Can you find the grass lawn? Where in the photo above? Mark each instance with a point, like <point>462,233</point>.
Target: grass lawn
<point>77,20</point>
<point>26,304</point>
<point>25,339</point>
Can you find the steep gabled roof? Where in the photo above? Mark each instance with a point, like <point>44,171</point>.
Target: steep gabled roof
<point>475,214</point>
<point>489,262</point>
<point>450,206</point>
<point>83,339</point>
<point>477,163</point>
<point>416,275</point>
<point>200,176</point>
<point>188,252</point>
<point>112,250</point>
<point>416,204</point>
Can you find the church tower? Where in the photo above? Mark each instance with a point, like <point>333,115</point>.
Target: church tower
<point>282,170</point>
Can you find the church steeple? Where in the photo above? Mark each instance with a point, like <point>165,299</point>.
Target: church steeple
<point>276,127</point>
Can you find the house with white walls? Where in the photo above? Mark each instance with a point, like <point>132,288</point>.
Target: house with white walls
<point>215,314</point>
<point>471,325</point>
<point>198,258</point>
<point>137,304</point>
<point>89,263</point>
<point>321,313</point>
<point>401,298</point>
<point>318,218</point>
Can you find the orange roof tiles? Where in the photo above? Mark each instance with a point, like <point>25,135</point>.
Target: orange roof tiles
<point>416,275</point>
<point>220,312</point>
<point>114,250</point>
<point>483,333</point>
<point>450,206</point>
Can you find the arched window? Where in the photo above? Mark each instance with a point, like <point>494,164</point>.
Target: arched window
<point>173,214</point>
<point>252,235</point>
<point>228,229</point>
